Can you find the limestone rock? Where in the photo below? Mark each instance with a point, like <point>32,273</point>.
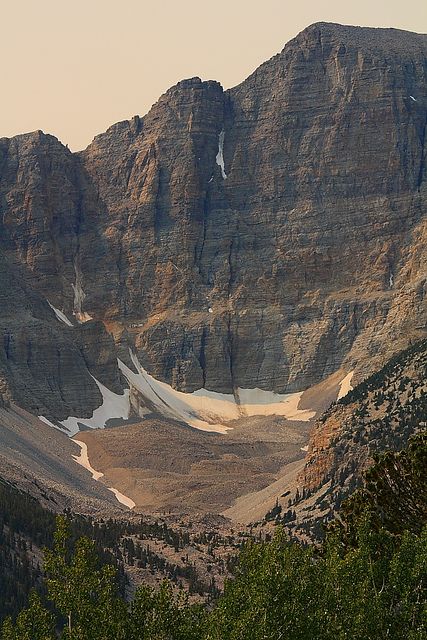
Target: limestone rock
<point>263,236</point>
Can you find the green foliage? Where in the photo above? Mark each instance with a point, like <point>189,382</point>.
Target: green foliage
<point>85,597</point>
<point>375,590</point>
<point>24,524</point>
<point>394,495</point>
<point>33,623</point>
<point>163,616</point>
<point>84,593</point>
<point>283,590</point>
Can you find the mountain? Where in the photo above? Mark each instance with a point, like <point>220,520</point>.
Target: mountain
<point>214,311</point>
<point>232,260</point>
<point>264,236</point>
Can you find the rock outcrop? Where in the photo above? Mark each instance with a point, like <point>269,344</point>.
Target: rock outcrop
<point>380,414</point>
<point>263,236</point>
<point>46,366</point>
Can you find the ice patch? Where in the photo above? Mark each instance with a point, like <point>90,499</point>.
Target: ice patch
<point>209,410</point>
<point>345,386</point>
<point>60,315</point>
<point>113,406</point>
<point>220,155</point>
<point>83,460</point>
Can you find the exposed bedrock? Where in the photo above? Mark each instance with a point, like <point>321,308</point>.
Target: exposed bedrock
<point>263,236</point>
<point>46,366</point>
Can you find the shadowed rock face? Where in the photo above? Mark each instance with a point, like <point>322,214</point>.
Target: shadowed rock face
<point>259,237</point>
<point>46,366</point>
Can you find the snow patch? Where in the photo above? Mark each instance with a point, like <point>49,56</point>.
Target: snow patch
<point>304,448</point>
<point>83,460</point>
<point>391,280</point>
<point>220,155</point>
<point>345,386</point>
<point>412,98</point>
<point>113,406</point>
<point>60,315</point>
<point>128,502</point>
<point>209,410</point>
<point>48,422</point>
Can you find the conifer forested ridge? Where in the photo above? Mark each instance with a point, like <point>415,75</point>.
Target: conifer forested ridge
<point>26,528</point>
<point>368,580</point>
<point>380,414</point>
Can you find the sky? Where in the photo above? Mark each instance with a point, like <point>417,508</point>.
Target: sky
<point>74,67</point>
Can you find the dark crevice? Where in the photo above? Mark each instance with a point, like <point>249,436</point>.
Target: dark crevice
<point>157,206</point>
<point>422,158</point>
<point>230,349</point>
<point>202,355</point>
<point>7,341</point>
<point>230,268</point>
<point>231,353</point>
<point>129,167</point>
<point>198,251</point>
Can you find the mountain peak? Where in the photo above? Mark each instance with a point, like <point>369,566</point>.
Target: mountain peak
<point>389,40</point>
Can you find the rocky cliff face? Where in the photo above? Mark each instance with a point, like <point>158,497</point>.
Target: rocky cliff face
<point>259,237</point>
<point>45,365</point>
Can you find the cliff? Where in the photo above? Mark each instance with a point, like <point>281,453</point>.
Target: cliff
<point>264,236</point>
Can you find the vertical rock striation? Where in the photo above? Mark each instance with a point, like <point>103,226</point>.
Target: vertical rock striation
<point>263,236</point>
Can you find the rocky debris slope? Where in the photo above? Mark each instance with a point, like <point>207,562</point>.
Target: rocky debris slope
<point>166,466</point>
<point>263,236</point>
<point>40,460</point>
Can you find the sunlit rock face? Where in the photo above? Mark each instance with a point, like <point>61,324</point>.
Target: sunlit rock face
<point>263,236</point>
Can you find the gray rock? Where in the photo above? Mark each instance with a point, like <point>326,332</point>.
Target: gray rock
<point>263,236</point>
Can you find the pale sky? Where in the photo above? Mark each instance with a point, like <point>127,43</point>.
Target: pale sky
<point>74,67</point>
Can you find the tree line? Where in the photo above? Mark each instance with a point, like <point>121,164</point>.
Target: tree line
<point>367,581</point>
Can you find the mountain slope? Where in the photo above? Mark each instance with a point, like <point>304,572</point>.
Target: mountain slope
<point>380,414</point>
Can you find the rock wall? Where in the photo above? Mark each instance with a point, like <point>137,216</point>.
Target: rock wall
<point>263,236</point>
